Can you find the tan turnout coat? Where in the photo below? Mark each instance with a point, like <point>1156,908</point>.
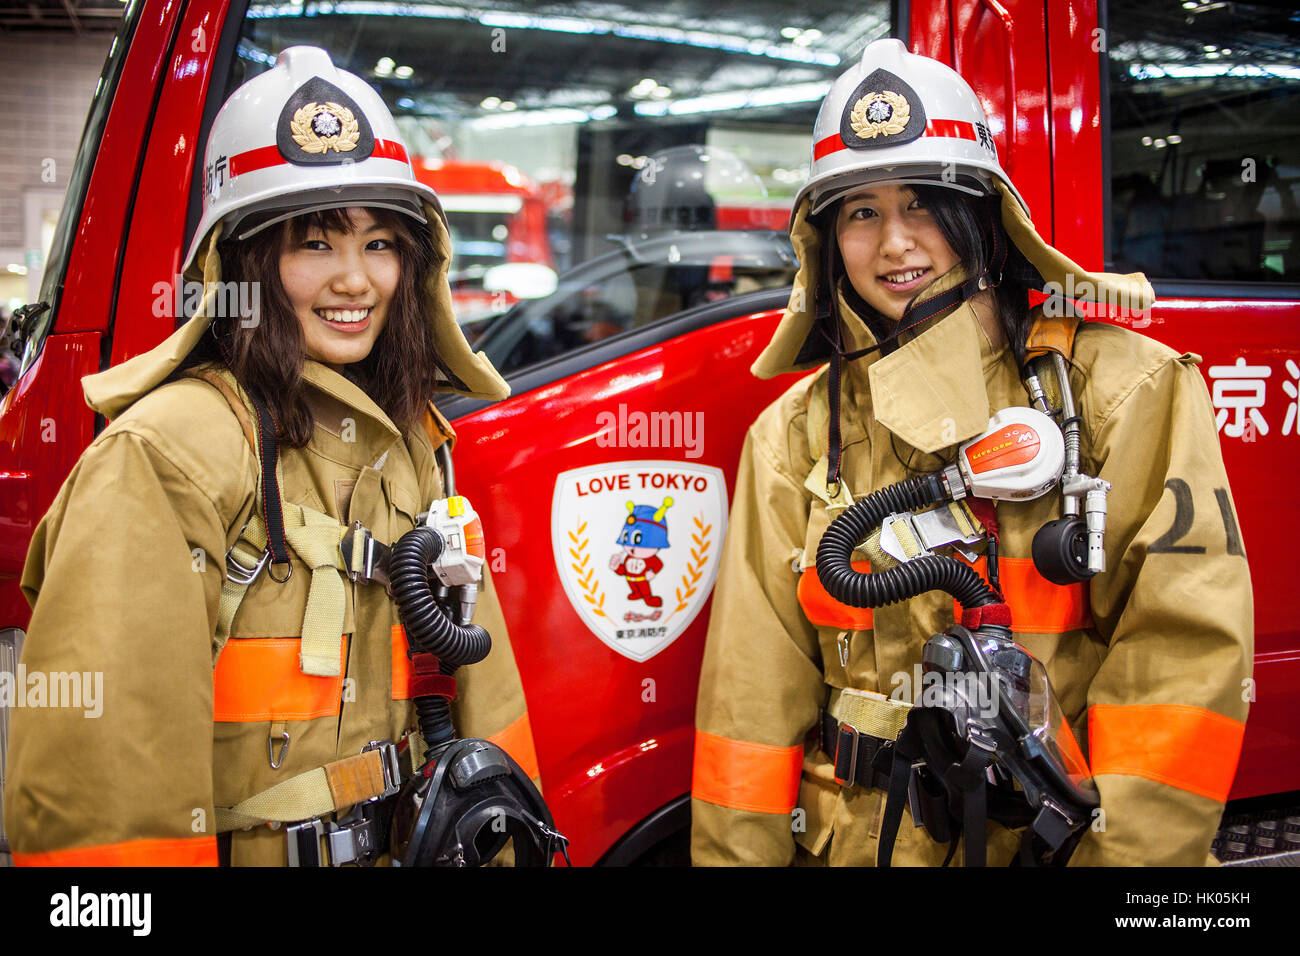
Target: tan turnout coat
<point>125,572</point>
<point>1148,660</point>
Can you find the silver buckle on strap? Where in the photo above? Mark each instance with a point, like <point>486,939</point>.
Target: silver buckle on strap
<point>354,837</point>
<point>851,776</point>
<point>348,841</point>
<point>241,574</point>
<point>351,839</point>
<point>374,556</point>
<point>304,842</point>
<point>392,768</point>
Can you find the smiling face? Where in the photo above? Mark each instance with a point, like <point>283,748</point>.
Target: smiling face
<point>892,247</point>
<point>340,285</point>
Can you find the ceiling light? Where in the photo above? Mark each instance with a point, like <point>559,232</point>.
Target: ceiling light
<point>737,100</point>
<point>543,117</point>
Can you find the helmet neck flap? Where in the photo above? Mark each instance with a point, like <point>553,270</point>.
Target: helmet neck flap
<point>901,118</point>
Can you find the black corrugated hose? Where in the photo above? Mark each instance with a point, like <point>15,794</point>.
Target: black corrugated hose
<point>429,627</point>
<point>853,526</point>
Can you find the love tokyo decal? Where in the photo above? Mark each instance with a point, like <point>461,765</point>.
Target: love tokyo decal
<point>637,545</point>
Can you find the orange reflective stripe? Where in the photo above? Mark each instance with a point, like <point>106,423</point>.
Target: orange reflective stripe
<point>746,776</point>
<point>823,610</point>
<point>259,678</point>
<point>517,741</point>
<point>1037,605</point>
<point>401,665</point>
<point>1190,748</point>
<point>181,851</point>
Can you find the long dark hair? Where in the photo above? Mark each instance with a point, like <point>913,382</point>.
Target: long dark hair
<point>968,224</point>
<point>267,353</point>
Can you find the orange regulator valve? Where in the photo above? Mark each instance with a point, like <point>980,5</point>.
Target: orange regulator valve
<point>1020,456</point>
<point>460,562</point>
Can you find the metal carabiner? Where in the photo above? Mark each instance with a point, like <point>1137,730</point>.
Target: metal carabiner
<point>284,749</point>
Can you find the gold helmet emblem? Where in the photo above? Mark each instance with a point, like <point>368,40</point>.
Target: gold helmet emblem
<point>320,127</point>
<point>879,114</point>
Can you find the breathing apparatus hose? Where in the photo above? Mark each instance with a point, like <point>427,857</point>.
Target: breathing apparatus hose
<point>470,797</point>
<point>834,553</point>
<point>429,627</point>
<point>958,748</point>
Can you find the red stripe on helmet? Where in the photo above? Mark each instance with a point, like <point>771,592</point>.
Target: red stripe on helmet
<point>831,144</point>
<point>953,129</point>
<point>387,149</point>
<point>255,159</point>
<point>265,157</point>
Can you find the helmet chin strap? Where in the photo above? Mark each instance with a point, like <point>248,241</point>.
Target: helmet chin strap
<point>918,311</point>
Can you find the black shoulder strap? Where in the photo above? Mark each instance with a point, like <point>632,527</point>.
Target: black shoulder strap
<point>272,506</point>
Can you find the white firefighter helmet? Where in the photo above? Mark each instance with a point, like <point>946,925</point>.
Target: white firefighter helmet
<point>898,117</point>
<point>301,137</point>
<point>901,118</point>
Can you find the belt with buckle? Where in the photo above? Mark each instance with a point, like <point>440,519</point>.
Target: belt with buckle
<point>354,839</point>
<point>359,837</point>
<point>859,758</point>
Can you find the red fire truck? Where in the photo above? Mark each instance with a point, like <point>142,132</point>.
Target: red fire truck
<point>1160,140</point>
<point>496,216</point>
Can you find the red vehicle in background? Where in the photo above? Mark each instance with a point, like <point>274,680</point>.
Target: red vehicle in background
<point>497,215</point>
<point>1135,148</point>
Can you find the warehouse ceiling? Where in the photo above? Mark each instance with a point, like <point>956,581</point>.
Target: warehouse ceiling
<point>71,16</point>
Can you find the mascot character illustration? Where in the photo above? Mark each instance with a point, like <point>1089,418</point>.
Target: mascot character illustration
<point>643,534</point>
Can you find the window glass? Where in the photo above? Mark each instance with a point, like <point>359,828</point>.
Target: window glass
<point>650,278</point>
<point>1205,149</point>
<point>569,143</point>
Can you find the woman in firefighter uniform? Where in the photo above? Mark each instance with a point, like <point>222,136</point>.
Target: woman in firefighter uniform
<point>1149,659</point>
<point>228,669</point>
